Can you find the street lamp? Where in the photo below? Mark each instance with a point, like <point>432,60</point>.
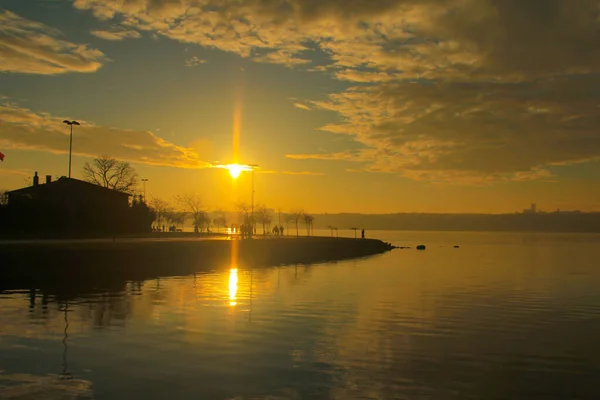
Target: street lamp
<point>144,180</point>
<point>70,123</point>
<point>253,167</point>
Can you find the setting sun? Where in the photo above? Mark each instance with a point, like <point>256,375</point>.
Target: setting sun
<point>235,170</point>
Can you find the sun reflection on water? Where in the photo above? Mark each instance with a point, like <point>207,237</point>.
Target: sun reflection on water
<point>233,286</point>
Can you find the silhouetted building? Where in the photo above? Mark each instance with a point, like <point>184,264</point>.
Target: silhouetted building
<point>68,206</point>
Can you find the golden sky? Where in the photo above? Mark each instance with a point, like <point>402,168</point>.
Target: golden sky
<point>348,106</point>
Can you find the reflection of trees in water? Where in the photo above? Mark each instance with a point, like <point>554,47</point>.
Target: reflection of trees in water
<point>102,308</point>
<point>38,304</point>
<point>112,301</point>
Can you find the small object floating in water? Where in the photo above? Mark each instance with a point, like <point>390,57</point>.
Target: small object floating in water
<point>421,247</point>
<point>456,247</point>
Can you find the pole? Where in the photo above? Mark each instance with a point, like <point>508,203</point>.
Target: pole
<point>70,149</point>
<point>252,213</point>
<point>144,181</point>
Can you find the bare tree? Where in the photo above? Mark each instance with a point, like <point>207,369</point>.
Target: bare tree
<point>288,218</point>
<point>244,208</point>
<point>202,221</point>
<point>308,220</point>
<point>111,173</point>
<point>192,203</point>
<point>161,208</point>
<point>263,216</point>
<point>220,220</point>
<point>296,216</point>
<point>176,218</point>
<point>3,197</point>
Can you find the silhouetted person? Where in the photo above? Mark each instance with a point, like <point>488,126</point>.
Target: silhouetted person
<point>276,230</point>
<point>281,230</point>
<point>362,234</point>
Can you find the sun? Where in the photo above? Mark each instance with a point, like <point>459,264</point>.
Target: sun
<point>235,170</point>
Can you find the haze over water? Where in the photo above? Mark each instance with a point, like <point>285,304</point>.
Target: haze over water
<point>505,316</point>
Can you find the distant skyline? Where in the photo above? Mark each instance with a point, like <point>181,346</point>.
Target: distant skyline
<point>369,106</point>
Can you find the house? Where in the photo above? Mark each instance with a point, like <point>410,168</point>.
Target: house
<point>66,206</point>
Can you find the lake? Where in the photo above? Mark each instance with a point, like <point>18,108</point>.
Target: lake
<point>504,316</point>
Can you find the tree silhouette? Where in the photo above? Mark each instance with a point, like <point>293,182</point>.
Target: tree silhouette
<point>244,208</point>
<point>161,208</point>
<point>111,173</point>
<point>176,218</point>
<point>201,221</point>
<point>3,197</point>
<point>296,217</point>
<point>332,228</point>
<point>192,203</point>
<point>140,215</point>
<point>308,220</point>
<point>263,216</point>
<point>220,220</point>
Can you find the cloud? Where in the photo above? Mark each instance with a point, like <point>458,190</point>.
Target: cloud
<point>348,156</point>
<point>311,173</point>
<point>194,61</point>
<point>17,172</point>
<point>508,40</point>
<point>116,33</point>
<point>34,48</point>
<point>446,90</point>
<point>494,130</point>
<point>302,106</point>
<point>23,129</point>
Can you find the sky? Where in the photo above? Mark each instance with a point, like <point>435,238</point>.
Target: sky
<point>371,106</point>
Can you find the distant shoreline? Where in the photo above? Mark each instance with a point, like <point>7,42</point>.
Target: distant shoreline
<point>554,222</point>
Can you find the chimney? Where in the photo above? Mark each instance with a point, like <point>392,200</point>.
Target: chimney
<point>48,178</point>
<point>36,179</point>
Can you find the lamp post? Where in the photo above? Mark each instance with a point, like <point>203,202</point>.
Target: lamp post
<point>253,167</point>
<point>70,123</point>
<point>144,180</point>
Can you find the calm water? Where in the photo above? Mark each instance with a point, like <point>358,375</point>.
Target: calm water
<point>505,316</point>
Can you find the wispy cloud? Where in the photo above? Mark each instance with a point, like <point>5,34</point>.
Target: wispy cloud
<point>15,172</point>
<point>33,48</point>
<point>306,173</point>
<point>116,33</point>
<point>194,62</point>
<point>302,106</point>
<point>23,129</point>
<point>471,131</point>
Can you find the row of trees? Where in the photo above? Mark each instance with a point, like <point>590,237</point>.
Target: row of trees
<point>119,175</point>
<point>189,206</point>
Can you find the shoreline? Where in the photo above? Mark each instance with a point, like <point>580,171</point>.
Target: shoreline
<point>31,264</point>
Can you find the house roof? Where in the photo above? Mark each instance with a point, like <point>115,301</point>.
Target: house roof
<point>65,183</point>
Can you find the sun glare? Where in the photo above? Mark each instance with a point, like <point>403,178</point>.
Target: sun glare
<point>235,170</point>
